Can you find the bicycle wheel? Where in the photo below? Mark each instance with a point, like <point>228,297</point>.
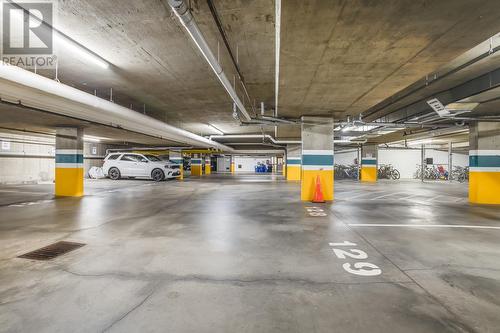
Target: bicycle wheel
<point>395,174</point>
<point>461,178</point>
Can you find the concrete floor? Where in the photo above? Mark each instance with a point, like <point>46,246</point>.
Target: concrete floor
<point>242,254</point>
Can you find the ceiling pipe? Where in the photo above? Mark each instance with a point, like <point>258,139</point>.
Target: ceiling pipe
<point>266,136</point>
<point>254,136</point>
<point>182,11</point>
<point>277,41</point>
<point>109,150</point>
<point>218,23</point>
<point>22,87</point>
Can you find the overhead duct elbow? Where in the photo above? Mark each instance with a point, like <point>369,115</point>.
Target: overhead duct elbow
<point>182,11</point>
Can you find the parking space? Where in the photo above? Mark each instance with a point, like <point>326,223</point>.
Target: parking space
<point>250,166</point>
<point>247,245</point>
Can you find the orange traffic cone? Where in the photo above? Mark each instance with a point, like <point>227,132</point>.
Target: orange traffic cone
<point>318,194</point>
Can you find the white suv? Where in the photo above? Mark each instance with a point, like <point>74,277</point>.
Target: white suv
<point>118,165</point>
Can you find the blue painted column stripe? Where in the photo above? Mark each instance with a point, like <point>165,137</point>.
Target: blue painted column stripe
<point>69,158</point>
<point>196,161</point>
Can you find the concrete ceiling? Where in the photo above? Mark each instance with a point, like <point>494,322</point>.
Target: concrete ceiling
<point>156,63</point>
<point>343,57</point>
<point>337,57</point>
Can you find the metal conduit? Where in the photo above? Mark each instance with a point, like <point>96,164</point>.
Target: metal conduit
<point>182,11</point>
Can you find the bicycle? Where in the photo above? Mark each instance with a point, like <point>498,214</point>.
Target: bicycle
<point>461,174</point>
<point>387,171</point>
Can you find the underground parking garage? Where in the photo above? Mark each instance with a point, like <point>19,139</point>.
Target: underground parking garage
<point>250,166</point>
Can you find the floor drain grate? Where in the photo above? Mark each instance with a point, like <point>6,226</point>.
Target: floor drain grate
<point>52,251</point>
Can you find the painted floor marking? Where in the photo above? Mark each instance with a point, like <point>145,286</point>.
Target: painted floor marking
<point>362,268</point>
<point>363,194</point>
<point>425,226</point>
<point>315,211</point>
<point>30,203</point>
<point>23,192</point>
<point>388,195</point>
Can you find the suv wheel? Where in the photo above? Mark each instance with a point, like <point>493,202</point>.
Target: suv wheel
<point>157,175</point>
<point>114,173</point>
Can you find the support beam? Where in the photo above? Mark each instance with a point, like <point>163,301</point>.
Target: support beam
<point>317,157</point>
<point>369,163</point>
<point>450,160</point>
<point>484,163</point>
<point>176,157</point>
<point>293,162</point>
<point>208,165</point>
<point>196,165</point>
<point>69,162</point>
<point>231,166</point>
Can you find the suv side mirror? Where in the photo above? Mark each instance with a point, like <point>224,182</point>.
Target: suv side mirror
<point>144,160</point>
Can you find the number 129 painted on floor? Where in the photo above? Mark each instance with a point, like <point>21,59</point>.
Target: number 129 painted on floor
<point>358,268</point>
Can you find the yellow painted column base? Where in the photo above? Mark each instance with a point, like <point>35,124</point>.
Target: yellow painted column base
<point>368,174</point>
<point>308,184</point>
<point>208,169</point>
<point>181,177</point>
<point>196,170</point>
<point>69,182</point>
<point>484,188</point>
<point>231,168</point>
<point>293,172</point>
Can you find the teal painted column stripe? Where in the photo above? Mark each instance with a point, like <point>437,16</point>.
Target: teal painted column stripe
<point>69,158</point>
<point>293,161</point>
<point>317,160</point>
<point>368,162</point>
<point>484,161</point>
<point>195,161</point>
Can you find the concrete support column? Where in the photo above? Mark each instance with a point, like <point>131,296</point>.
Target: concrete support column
<point>317,157</point>
<point>369,155</point>
<point>231,166</point>
<point>196,165</point>
<point>293,162</point>
<point>69,162</point>
<point>484,163</point>
<point>208,165</point>
<point>176,157</point>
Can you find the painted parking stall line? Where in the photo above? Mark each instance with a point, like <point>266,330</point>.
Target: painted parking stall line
<point>453,226</point>
<point>347,251</point>
<point>30,203</point>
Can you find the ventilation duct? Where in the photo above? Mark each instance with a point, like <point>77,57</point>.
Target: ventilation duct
<point>22,87</point>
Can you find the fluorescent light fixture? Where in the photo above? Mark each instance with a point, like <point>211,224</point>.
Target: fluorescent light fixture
<point>62,39</point>
<point>348,128</point>
<point>419,142</point>
<point>359,128</point>
<point>79,50</point>
<point>90,138</point>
